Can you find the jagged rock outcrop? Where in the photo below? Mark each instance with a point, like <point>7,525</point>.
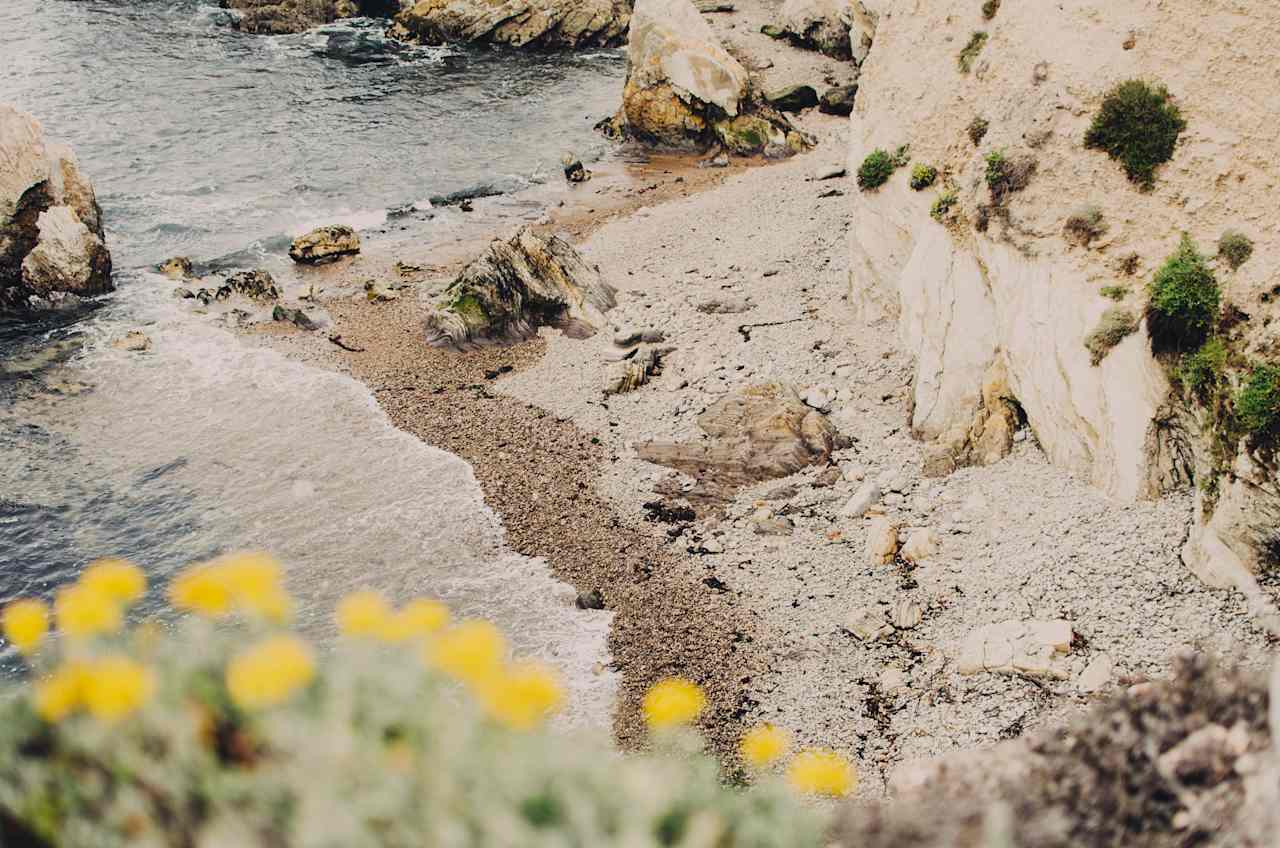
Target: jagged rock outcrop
<point>684,90</point>
<point>992,282</point>
<point>841,29</point>
<point>324,244</point>
<point>51,237</point>
<point>278,17</point>
<point>516,23</point>
<point>517,286</point>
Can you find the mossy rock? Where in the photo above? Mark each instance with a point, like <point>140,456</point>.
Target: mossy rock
<point>748,135</point>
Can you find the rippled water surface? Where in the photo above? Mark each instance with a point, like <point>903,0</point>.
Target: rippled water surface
<point>206,142</point>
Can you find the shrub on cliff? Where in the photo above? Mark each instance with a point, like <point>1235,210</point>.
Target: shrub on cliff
<point>1258,402</point>
<point>1116,324</point>
<point>1202,370</point>
<point>1235,248</point>
<point>942,206</point>
<point>875,170</point>
<point>923,176</point>
<point>1006,175</point>
<point>989,9</point>
<point>412,731</point>
<point>1084,225</point>
<point>1139,126</point>
<point>970,52</point>
<point>977,130</point>
<point>1184,300</point>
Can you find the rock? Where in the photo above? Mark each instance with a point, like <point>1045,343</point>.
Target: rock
<point>376,292</point>
<point>726,305</point>
<point>792,98</point>
<point>255,285</point>
<point>684,90</point>
<point>853,472</point>
<point>279,17</point>
<point>183,293</point>
<point>838,100</point>
<point>591,600</point>
<point>177,268</point>
<point>882,541</point>
<point>838,28</point>
<point>1029,647</point>
<point>773,31</point>
<point>831,172</point>
<point>867,624</point>
<point>819,397</point>
<point>574,171</point>
<point>828,477</point>
<point>921,544</point>
<point>906,614</point>
<point>938,462</point>
<point>867,496</point>
<point>1096,674</point>
<point>892,679</point>
<point>540,24</point>
<point>772,525</point>
<point>134,340</point>
<point>51,236</point>
<point>324,244</point>
<point>1204,758</point>
<point>633,372</point>
<point>516,286</point>
<point>756,433</point>
<point>293,316</point>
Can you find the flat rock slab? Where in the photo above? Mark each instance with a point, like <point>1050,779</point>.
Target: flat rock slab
<point>1032,647</point>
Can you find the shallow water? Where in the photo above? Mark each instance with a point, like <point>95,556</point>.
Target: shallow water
<point>205,142</point>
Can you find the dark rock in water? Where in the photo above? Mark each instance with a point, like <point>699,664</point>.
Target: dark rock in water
<point>838,100</point>
<point>574,171</point>
<point>184,293</point>
<point>792,98</point>
<point>592,600</point>
<point>278,17</point>
<point>177,268</point>
<point>517,286</point>
<point>517,23</point>
<point>324,244</point>
<point>255,285</point>
<point>293,316</point>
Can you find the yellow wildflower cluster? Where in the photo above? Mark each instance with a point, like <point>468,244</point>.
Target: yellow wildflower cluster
<point>673,702</point>
<point>248,583</point>
<point>819,771</point>
<point>25,622</point>
<point>764,744</point>
<point>270,672</point>
<point>367,615</point>
<point>109,688</point>
<point>92,606</point>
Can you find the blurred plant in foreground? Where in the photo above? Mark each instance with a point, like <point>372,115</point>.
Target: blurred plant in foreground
<point>412,731</point>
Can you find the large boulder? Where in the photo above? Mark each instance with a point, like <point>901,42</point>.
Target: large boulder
<point>517,286</point>
<point>278,17</point>
<point>517,23</point>
<point>841,29</point>
<point>684,90</point>
<point>324,244</point>
<point>51,237</point>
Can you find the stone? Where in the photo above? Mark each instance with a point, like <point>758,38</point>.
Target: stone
<point>726,305</point>
<point>828,477</point>
<point>892,679</point>
<point>772,525</point>
<point>906,614</point>
<point>825,26</point>
<point>635,371</point>
<point>324,244</point>
<point>831,172</point>
<point>293,316</point>
<point>819,397</point>
<point>838,100</point>
<point>792,98</point>
<point>177,268</point>
<point>938,461</point>
<point>1204,758</point>
<point>134,340</point>
<point>867,496</point>
<point>376,292</point>
<point>853,472</point>
<point>920,546</point>
<point>534,24</point>
<point>516,286</point>
<point>574,171</point>
<point>882,541</point>
<point>68,257</point>
<point>1033,647</point>
<point>279,17</point>
<point>1096,675</point>
<point>592,600</point>
<point>867,624</point>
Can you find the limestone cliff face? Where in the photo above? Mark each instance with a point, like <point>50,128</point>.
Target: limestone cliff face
<point>1002,291</point>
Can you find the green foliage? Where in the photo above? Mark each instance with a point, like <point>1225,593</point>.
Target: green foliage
<point>1184,301</point>
<point>1258,402</point>
<point>902,156</point>
<point>942,206</point>
<point>923,176</point>
<point>970,52</point>
<point>1084,225</point>
<point>1235,248</point>
<point>1006,175</point>
<point>978,130</point>
<point>1202,371</point>
<point>1139,126</point>
<point>1116,323</point>
<point>1116,293</point>
<point>989,9</point>
<point>875,170</point>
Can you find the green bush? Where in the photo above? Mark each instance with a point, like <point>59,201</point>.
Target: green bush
<point>1116,293</point>
<point>1184,301</point>
<point>942,206</point>
<point>989,9</point>
<point>1084,225</point>
<point>1005,175</point>
<point>978,130</point>
<point>970,52</point>
<point>1116,324</point>
<point>1202,370</point>
<point>1258,402</point>
<point>1235,248</point>
<point>923,176</point>
<point>875,170</point>
<point>1138,126</point>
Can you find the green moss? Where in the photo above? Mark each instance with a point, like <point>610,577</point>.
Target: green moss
<point>977,130</point>
<point>1084,225</point>
<point>923,176</point>
<point>970,52</point>
<point>1202,371</point>
<point>943,205</point>
<point>1235,248</point>
<point>1115,325</point>
<point>1184,301</point>
<point>471,309</point>
<point>875,170</point>
<point>1138,126</point>
<point>1258,402</point>
<point>989,9</point>
<point>1116,293</point>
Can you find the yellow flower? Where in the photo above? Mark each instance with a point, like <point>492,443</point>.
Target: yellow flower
<point>58,695</point>
<point>671,702</point>
<point>822,772</point>
<point>472,651</point>
<point>419,617</point>
<point>25,623</point>
<point>363,614</point>
<point>117,579</point>
<point>83,611</point>
<point>270,672</point>
<point>115,686</point>
<point>202,589</point>
<point>764,744</point>
<point>524,696</point>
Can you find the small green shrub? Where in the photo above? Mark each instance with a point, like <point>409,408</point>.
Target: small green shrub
<point>978,130</point>
<point>971,51</point>
<point>1235,248</point>
<point>990,8</point>
<point>1116,293</point>
<point>1084,225</point>
<point>942,206</point>
<point>1258,402</point>
<point>875,170</point>
<point>1116,323</point>
<point>1138,126</point>
<point>1184,300</point>
<point>1202,370</point>
<point>923,176</point>
<point>1007,175</point>
<point>1130,263</point>
<point>902,156</point>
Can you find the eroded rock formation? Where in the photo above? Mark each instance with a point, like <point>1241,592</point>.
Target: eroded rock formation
<point>324,244</point>
<point>516,23</point>
<point>841,29</point>
<point>278,17</point>
<point>517,286</point>
<point>51,238</point>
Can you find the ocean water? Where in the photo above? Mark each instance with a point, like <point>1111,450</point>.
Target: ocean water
<point>206,142</point>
